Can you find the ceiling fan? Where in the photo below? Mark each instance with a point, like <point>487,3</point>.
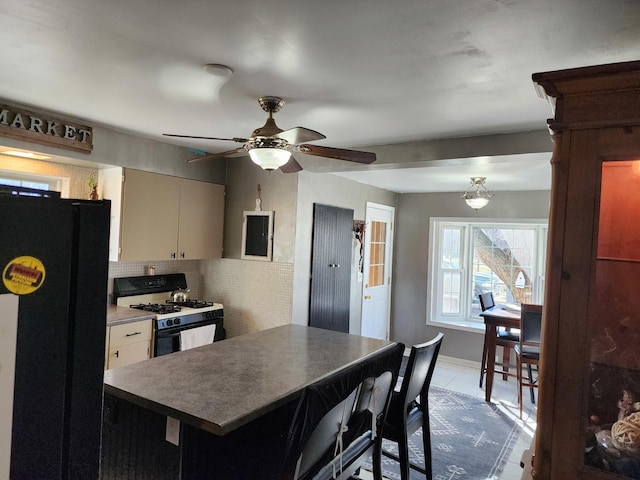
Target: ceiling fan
<point>271,147</point>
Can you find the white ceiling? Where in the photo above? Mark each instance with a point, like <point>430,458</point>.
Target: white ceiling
<point>362,72</point>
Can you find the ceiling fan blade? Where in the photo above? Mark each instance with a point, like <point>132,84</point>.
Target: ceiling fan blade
<point>338,153</point>
<point>291,166</point>
<point>211,156</point>
<point>234,139</point>
<point>299,135</point>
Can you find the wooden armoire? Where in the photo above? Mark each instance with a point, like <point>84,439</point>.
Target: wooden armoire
<point>590,370</point>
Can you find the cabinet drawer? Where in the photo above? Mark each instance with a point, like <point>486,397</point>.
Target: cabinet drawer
<point>128,333</point>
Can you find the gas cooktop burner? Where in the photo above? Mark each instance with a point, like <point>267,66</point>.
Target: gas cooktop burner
<point>191,303</point>
<point>160,308</point>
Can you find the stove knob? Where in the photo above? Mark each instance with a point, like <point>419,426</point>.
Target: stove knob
<point>177,321</point>
<point>169,322</point>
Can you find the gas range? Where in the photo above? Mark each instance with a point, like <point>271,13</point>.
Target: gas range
<point>171,314</point>
<point>153,293</point>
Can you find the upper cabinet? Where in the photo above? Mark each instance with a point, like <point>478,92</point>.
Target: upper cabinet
<point>159,217</point>
<point>589,407</point>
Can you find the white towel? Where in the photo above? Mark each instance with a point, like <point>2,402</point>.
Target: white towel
<point>197,337</point>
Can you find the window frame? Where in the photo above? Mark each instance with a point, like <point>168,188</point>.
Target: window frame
<point>54,183</point>
<point>465,320</point>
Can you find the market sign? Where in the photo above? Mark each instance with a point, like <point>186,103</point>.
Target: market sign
<point>21,124</point>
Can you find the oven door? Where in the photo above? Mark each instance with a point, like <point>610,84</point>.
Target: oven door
<point>167,341</point>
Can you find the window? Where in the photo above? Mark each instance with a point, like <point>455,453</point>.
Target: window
<point>469,258</point>
<point>18,179</point>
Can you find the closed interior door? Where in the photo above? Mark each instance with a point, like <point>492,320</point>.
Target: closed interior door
<point>331,268</point>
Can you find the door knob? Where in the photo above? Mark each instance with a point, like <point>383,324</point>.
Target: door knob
<point>367,297</point>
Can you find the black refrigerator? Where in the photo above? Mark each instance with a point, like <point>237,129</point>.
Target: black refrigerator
<point>53,299</point>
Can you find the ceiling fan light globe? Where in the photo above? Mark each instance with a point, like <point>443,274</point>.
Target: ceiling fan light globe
<point>269,158</point>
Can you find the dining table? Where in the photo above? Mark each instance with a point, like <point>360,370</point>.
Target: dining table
<point>495,317</point>
<point>222,410</point>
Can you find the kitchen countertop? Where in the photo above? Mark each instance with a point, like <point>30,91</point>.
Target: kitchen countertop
<point>117,315</point>
<point>227,384</point>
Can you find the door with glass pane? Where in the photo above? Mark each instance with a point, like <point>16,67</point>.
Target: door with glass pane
<point>376,299</point>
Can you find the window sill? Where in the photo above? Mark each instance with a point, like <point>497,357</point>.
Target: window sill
<point>467,326</point>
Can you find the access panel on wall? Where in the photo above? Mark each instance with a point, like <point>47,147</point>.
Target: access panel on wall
<point>331,268</point>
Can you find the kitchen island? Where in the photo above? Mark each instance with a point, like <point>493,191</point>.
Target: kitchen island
<point>234,400</point>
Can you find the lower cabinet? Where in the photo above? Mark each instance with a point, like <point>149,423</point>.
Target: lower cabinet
<point>128,343</point>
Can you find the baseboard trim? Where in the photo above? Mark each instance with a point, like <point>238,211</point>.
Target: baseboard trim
<point>458,361</point>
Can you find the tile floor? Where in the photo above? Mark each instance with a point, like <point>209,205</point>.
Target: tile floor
<point>463,376</point>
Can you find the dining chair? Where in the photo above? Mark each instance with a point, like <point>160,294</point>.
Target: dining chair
<point>338,420</point>
<point>528,348</point>
<point>505,339</point>
<point>409,408</point>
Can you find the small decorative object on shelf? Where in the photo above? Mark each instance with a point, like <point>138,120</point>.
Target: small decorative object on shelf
<point>92,181</point>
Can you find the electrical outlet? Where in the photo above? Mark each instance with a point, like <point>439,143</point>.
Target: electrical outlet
<point>173,431</point>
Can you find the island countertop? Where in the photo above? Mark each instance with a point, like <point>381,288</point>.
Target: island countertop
<point>225,385</point>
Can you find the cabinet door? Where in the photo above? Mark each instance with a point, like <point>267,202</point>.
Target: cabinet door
<point>201,220</point>
<point>150,207</point>
<point>128,343</point>
<point>128,354</point>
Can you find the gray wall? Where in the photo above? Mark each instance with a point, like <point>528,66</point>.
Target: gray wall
<point>333,190</point>
<point>291,197</point>
<point>278,193</point>
<point>115,148</point>
<point>411,266</point>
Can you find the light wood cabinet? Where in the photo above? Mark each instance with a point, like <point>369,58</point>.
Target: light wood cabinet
<point>128,343</point>
<point>590,358</point>
<point>159,217</point>
<point>150,209</point>
<point>201,220</point>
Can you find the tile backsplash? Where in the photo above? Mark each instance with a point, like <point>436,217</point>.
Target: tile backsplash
<point>72,178</point>
<point>256,295</point>
<point>191,268</point>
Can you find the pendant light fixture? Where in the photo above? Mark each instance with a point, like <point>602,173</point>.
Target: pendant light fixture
<point>477,195</point>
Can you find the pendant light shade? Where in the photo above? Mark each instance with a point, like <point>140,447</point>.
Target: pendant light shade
<point>477,195</point>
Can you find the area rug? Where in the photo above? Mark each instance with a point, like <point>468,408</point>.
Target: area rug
<point>470,439</point>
